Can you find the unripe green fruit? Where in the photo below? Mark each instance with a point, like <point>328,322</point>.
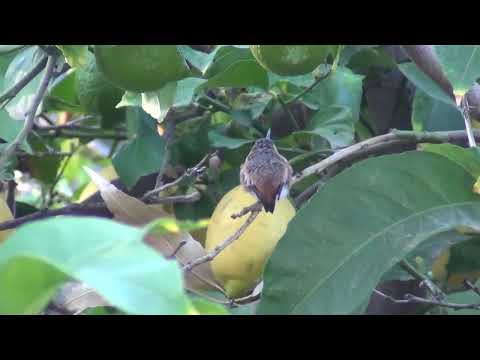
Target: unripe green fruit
<point>292,60</point>
<point>141,68</point>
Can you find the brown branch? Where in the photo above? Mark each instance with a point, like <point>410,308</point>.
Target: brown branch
<point>22,135</point>
<point>412,299</point>
<point>437,293</point>
<point>16,88</point>
<point>382,142</point>
<point>311,87</point>
<point>255,207</point>
<point>73,132</point>
<point>73,209</point>
<point>472,287</point>
<point>218,249</point>
<point>176,199</point>
<point>194,172</point>
<point>86,209</point>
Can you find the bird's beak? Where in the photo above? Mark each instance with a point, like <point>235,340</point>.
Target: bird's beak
<point>268,134</point>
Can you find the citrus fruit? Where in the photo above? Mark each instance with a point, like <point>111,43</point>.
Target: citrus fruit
<point>292,60</point>
<point>239,266</point>
<point>5,215</point>
<point>141,68</point>
<point>95,93</point>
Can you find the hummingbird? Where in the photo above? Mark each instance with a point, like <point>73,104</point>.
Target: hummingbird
<point>266,173</point>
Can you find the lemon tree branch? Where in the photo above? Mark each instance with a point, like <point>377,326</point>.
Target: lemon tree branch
<point>378,144</point>
<point>218,249</point>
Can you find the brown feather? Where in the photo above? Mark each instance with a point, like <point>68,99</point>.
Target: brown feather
<point>265,172</point>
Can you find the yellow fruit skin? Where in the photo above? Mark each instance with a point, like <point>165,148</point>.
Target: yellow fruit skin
<point>5,215</point>
<point>239,267</point>
<point>452,282</point>
<point>291,60</point>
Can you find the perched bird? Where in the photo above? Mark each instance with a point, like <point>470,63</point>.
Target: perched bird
<point>266,173</point>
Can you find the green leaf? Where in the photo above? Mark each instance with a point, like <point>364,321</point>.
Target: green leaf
<point>157,103</point>
<point>359,225</point>
<point>75,55</point>
<point>130,99</point>
<point>23,62</point>
<point>221,141</point>
<point>164,226</point>
<point>468,159</point>
<point>8,49</point>
<point>102,310</point>
<point>198,59</point>
<point>461,64</point>
<point>205,307</point>
<point>425,83</point>
<point>186,89</point>
<point>5,61</point>
<point>342,87</point>
<point>366,59</point>
<point>10,128</point>
<point>350,50</point>
<point>142,155</point>
<point>224,57</point>
<point>431,114</point>
<point>299,81</point>
<point>62,96</point>
<point>112,259</point>
<point>253,103</point>
<point>242,73</point>
<point>334,123</point>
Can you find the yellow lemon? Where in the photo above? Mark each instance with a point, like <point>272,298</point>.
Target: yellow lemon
<point>5,215</point>
<point>239,267</point>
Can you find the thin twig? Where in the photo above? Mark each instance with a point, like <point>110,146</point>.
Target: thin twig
<point>196,171</point>
<point>308,192</point>
<point>472,287</point>
<point>177,249</point>
<point>22,135</point>
<point>412,299</point>
<point>58,177</point>
<point>219,105</point>
<point>16,88</point>
<point>175,199</point>
<point>310,88</point>
<point>424,280</point>
<point>218,249</point>
<point>465,109</point>
<point>257,206</point>
<point>73,132</point>
<point>286,109</point>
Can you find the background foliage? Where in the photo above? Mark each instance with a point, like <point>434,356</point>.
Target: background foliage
<point>409,212</point>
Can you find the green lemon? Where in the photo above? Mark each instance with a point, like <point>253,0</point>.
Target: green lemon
<point>95,93</point>
<point>292,60</point>
<point>141,68</point>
